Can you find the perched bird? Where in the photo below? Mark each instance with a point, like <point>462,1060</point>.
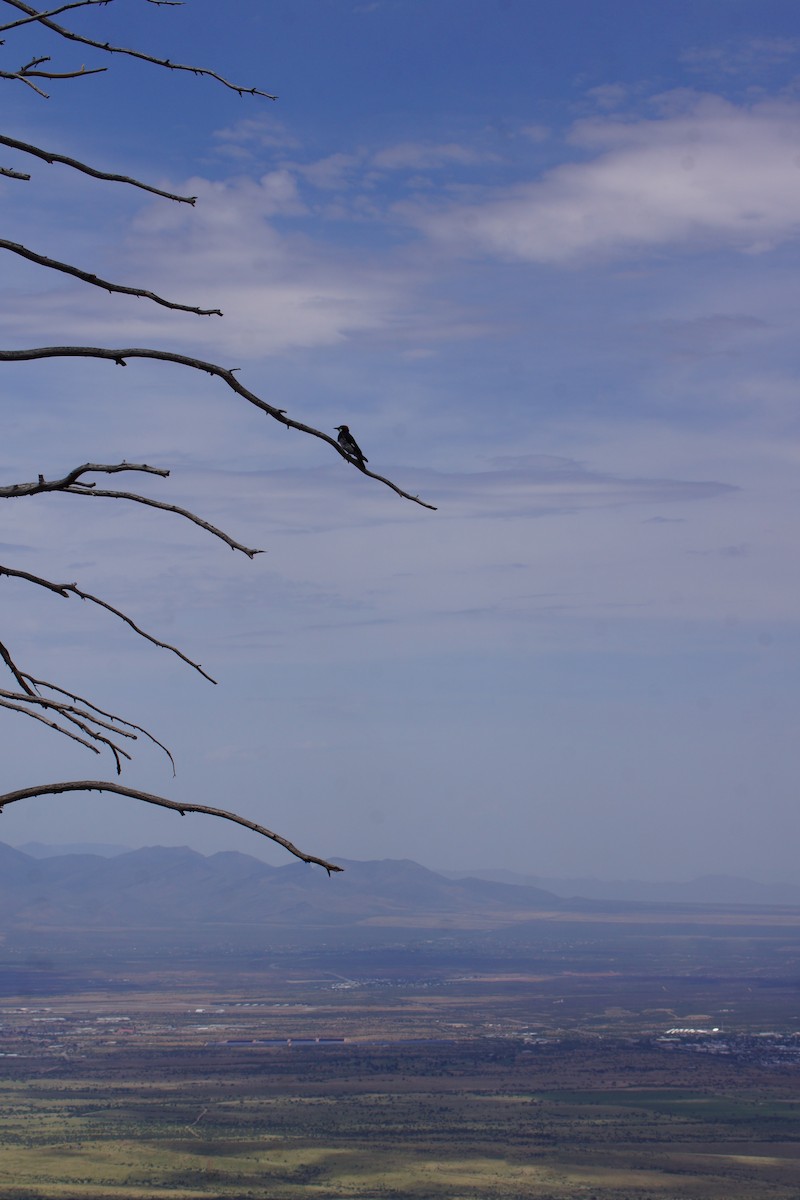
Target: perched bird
<point>350,446</point>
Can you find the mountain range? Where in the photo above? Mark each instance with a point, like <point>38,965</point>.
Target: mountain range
<point>162,886</point>
<point>705,889</point>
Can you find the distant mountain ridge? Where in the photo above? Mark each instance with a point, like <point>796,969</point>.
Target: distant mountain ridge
<point>707,889</point>
<point>160,887</point>
<point>46,850</point>
<point>233,887</point>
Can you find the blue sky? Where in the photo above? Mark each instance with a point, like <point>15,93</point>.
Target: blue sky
<point>543,259</point>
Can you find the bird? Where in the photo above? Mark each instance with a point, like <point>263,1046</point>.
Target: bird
<point>350,446</point>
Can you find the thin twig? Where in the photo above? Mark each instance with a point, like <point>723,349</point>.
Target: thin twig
<point>95,785</point>
<point>53,687</point>
<point>72,484</point>
<point>173,508</point>
<point>49,156</point>
<point>25,73</point>
<point>44,20</point>
<point>54,265</point>
<point>73,715</point>
<point>50,724</point>
<point>15,671</point>
<point>68,589</point>
<point>27,82</point>
<point>89,722</point>
<point>54,12</point>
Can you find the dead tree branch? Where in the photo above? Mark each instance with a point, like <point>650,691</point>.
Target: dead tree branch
<point>226,375</point>
<point>43,19</point>
<point>28,71</point>
<point>73,486</point>
<point>53,687</point>
<point>53,725</point>
<point>50,156</point>
<point>59,709</point>
<point>54,265</point>
<point>54,12</point>
<point>73,476</point>
<point>75,710</point>
<point>73,716</point>
<point>173,508</point>
<point>71,589</point>
<point>95,785</point>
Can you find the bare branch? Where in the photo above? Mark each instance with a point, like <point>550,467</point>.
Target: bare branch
<point>73,476</point>
<point>86,722</point>
<point>79,712</point>
<point>25,73</point>
<point>95,785</point>
<point>197,364</point>
<point>50,725</point>
<point>22,79</point>
<point>43,683</point>
<point>44,20</point>
<point>49,156</point>
<point>55,265</point>
<point>68,589</point>
<point>29,69</point>
<point>15,671</point>
<point>73,486</point>
<point>173,508</point>
<point>65,709</point>
<point>76,713</point>
<point>54,12</point>
<point>9,174</point>
<point>30,700</point>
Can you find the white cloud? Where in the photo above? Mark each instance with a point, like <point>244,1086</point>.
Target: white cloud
<point>418,156</point>
<point>277,289</point>
<point>332,173</point>
<point>735,57</point>
<point>608,95</point>
<point>703,172</point>
<point>536,133</point>
<point>245,138</point>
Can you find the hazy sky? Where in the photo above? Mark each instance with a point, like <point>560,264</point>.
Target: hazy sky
<point>542,257</point>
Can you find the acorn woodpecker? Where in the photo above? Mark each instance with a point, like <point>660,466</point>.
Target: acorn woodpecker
<point>350,446</point>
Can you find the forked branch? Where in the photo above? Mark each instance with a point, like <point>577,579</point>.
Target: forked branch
<point>74,476</point>
<point>96,785</point>
<point>73,485</point>
<point>30,71</point>
<point>43,18</point>
<point>228,377</point>
<point>54,12</point>
<point>71,713</point>
<point>66,713</point>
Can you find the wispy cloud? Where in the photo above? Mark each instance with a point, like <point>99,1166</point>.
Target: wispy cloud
<point>278,288</point>
<point>418,156</point>
<point>702,172</point>
<point>250,136</point>
<point>739,56</point>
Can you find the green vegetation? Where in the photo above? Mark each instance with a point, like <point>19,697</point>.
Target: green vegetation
<point>478,1120</point>
<point>482,1070</point>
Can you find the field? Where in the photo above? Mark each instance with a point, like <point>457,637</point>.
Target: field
<point>536,1064</point>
